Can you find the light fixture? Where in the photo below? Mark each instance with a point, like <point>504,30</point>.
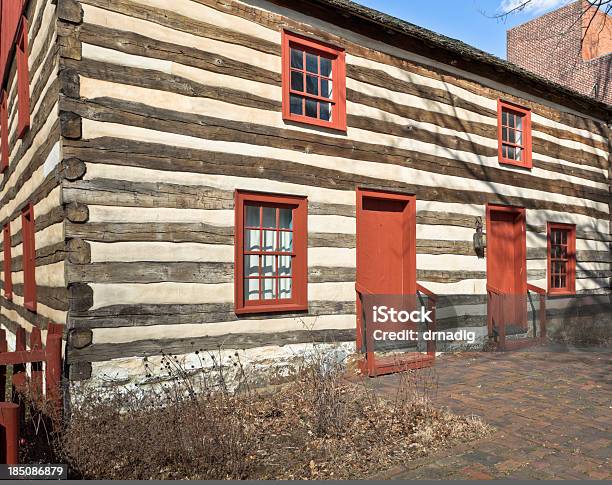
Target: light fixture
<point>480,241</point>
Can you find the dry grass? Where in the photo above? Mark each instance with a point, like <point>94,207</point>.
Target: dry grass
<point>318,425</point>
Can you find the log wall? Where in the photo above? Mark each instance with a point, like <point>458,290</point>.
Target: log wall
<point>169,107</point>
<point>33,175</point>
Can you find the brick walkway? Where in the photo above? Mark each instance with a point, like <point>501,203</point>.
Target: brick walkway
<point>552,414</point>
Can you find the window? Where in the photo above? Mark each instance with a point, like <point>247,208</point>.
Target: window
<point>514,134</point>
<point>23,79</point>
<point>314,82</point>
<point>8,276</point>
<point>561,258</point>
<point>271,245</point>
<point>4,133</point>
<point>29,258</point>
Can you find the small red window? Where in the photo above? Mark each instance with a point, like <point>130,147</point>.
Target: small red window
<point>561,258</point>
<point>314,82</point>
<point>6,248</point>
<point>4,132</point>
<point>23,79</point>
<point>29,257</point>
<point>514,134</point>
<point>271,246</point>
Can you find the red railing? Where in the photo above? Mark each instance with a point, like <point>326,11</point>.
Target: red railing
<point>373,366</point>
<point>496,317</point>
<point>49,358</point>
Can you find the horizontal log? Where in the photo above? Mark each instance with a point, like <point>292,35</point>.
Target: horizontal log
<point>31,317</point>
<point>118,151</point>
<point>145,315</point>
<point>147,348</point>
<point>50,296</point>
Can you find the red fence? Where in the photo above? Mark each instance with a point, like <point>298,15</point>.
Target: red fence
<point>45,363</point>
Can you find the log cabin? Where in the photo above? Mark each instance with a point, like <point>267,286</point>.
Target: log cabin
<point>219,174</point>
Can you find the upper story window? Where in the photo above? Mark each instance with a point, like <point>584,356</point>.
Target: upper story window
<point>271,245</point>
<point>23,79</point>
<point>514,134</point>
<point>561,258</point>
<point>314,82</point>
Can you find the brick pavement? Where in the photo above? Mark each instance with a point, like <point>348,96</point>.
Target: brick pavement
<point>551,410</point>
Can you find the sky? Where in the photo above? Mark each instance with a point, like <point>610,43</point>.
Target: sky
<point>466,20</point>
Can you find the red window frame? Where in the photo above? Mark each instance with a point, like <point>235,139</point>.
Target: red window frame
<point>4,132</point>
<point>338,99</point>
<point>6,267</point>
<point>525,114</point>
<point>23,79</point>
<point>299,264</point>
<point>29,257</point>
<point>569,259</point>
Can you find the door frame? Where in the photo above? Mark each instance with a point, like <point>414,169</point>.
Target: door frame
<point>520,213</point>
<point>409,275</point>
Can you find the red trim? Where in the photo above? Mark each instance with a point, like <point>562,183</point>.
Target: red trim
<point>338,100</point>
<point>570,287</point>
<point>525,113</point>
<point>29,257</point>
<point>4,132</point>
<point>299,263</point>
<point>522,243</point>
<point>409,273</point>
<point>8,276</point>
<point>23,79</point>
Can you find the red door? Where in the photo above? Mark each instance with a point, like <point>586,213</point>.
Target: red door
<point>386,246</point>
<point>506,262</point>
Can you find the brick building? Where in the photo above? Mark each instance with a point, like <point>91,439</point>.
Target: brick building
<point>571,46</point>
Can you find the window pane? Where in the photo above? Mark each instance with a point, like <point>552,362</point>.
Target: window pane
<point>285,218</point>
<point>286,241</point>
<point>297,81</point>
<point>251,265</point>
<point>505,118</point>
<point>511,120</point>
<point>269,289</point>
<point>511,153</point>
<point>269,217</point>
<point>284,265</point>
<point>505,134</point>
<point>326,88</point>
<point>518,154</point>
<point>296,107</point>
<point>325,109</point>
<point>504,151</point>
<point>251,289</point>
<point>312,63</point>
<point>269,266</point>
<point>284,287</point>
<point>269,241</point>
<point>252,240</point>
<point>311,108</point>
<point>252,216</point>
<point>518,137</point>
<point>297,59</point>
<point>312,85</point>
<point>326,67</point>
<point>519,122</point>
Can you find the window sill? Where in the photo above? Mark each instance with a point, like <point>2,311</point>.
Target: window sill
<point>290,307</point>
<point>516,163</point>
<point>561,292</point>
<point>306,120</point>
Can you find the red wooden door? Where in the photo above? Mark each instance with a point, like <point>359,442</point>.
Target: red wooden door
<point>506,261</point>
<point>386,245</point>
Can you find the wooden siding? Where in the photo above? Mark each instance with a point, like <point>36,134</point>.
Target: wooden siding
<point>33,176</point>
<point>168,112</point>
